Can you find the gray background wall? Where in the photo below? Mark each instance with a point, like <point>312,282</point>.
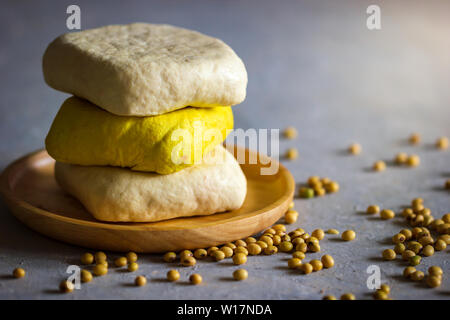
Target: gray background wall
<point>311,64</point>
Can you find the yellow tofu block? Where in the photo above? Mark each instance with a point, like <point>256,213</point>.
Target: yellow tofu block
<point>85,134</point>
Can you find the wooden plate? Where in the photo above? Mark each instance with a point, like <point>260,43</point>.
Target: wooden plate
<point>30,191</point>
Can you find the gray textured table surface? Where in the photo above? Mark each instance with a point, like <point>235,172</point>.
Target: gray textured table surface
<point>311,64</point>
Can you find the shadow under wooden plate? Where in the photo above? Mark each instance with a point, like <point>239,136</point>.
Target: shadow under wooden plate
<point>30,191</point>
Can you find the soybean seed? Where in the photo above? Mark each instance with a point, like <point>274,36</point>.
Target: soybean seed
<point>239,258</point>
<point>373,209</point>
<point>240,274</point>
<point>86,276</point>
<point>299,255</point>
<point>440,245</point>
<point>262,244</point>
<point>416,201</point>
<point>389,254</point>
<point>230,245</point>
<point>291,154</point>
<point>318,233</point>
<point>276,240</point>
<point>433,281</point>
<point>413,160</point>
<point>428,251</point>
<point>407,213</point>
<point>140,281</point>
<point>279,227</point>
<point>270,250</point>
<point>200,254</point>
<point>445,238</point>
<point>398,238</point>
<point>228,251</point>
<point>380,295</point>
<point>348,235</point>
<point>442,143</point>
<point>414,138</point>
<point>242,250</point>
<point>447,184</point>
<point>319,192</point>
<point>313,180</point>
<point>401,158</point>
<point>170,257</point>
<point>435,271</point>
<point>316,264</point>
<point>267,240</point>
<point>332,187</point>
<point>189,262</point>
<point>408,254</point>
<point>417,275</point>
<point>294,263</point>
<point>254,249</point>
<point>218,255</point>
<point>446,217</point>
<point>286,246</point>
<point>384,287</point>
<point>307,268</point>
<point>173,275</point>
<point>290,133</point>
<point>66,286</point>
<point>414,247</point>
<point>414,261</point>
<point>87,258</point>
<point>399,248</point>
<point>407,233</point>
<point>291,216</point>
<point>240,243</point>
<point>313,247</point>
<point>100,270</point>
<point>212,249</point>
<point>333,231</point>
<point>408,271</point>
<point>355,148</point>
<point>302,247</point>
<point>327,261</point>
<point>184,254</point>
<point>348,296</point>
<point>195,278</point>
<point>379,165</point>
<point>100,256</point>
<point>120,262</point>
<point>387,214</point>
<point>19,273</point>
<point>306,192</point>
<point>133,267</point>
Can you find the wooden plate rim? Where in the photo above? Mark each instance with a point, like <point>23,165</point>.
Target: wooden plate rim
<point>9,196</point>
